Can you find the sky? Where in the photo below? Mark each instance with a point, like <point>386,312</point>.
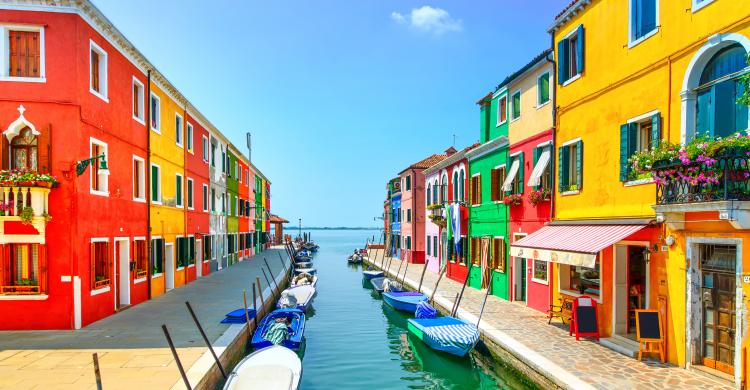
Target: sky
<point>339,96</point>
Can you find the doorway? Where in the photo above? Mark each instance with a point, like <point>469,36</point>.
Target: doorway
<point>717,295</point>
<point>169,265</point>
<point>519,279</point>
<point>198,258</point>
<point>122,257</point>
<point>443,250</point>
<point>630,287</point>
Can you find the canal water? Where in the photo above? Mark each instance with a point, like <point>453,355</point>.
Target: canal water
<point>355,341</point>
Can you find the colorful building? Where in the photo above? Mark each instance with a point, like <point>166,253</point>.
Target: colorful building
<point>487,214</point>
<point>121,223</point>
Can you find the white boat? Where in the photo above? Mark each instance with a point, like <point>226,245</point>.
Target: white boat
<point>305,280</point>
<point>296,297</point>
<point>272,368</point>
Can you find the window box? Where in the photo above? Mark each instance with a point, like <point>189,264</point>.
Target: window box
<point>20,289</point>
<point>540,196</point>
<point>513,200</point>
<point>101,282</point>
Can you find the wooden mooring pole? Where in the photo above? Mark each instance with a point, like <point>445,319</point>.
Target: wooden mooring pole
<point>176,357</point>
<point>205,338</point>
<point>97,373</point>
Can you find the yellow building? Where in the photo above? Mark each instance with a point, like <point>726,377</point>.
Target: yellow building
<point>631,75</point>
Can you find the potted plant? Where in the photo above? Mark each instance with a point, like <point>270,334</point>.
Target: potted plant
<point>27,215</point>
<point>539,196</point>
<point>513,199</point>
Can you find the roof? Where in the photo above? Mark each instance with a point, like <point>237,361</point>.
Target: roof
<point>487,147</point>
<point>567,13</point>
<point>426,163</point>
<point>450,159</point>
<point>276,219</point>
<point>540,57</point>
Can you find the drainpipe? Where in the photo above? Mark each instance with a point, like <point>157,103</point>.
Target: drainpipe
<point>148,181</point>
<point>551,59</point>
<point>184,192</point>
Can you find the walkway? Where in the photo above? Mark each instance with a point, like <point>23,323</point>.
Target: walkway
<point>548,349</point>
<point>133,352</point>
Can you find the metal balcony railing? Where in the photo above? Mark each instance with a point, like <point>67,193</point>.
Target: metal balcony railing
<point>726,179</point>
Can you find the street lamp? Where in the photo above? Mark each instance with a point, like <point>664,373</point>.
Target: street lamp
<point>83,164</point>
<point>300,227</point>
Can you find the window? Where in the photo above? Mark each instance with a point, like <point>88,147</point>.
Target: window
<point>643,16</point>
<point>213,200</point>
<point>408,242</point>
<point>224,203</point>
<point>502,110</point>
<point>570,168</point>
<point>140,258</point>
<point>444,189</point>
<point>497,178</point>
<point>717,111</point>
<point>698,4</point>
<point>408,182</point>
<point>639,134</point>
<point>24,149</point>
<point>435,245</point>
<point>476,189</point>
<point>223,161</point>
<point>408,215</point>
<point>185,251</point>
<point>455,186</point>
<point>581,280</point>
<point>207,253</point>
<point>428,198</point>
<point>138,111</point>
<point>157,256</point>
<point>178,130</point>
<point>541,175</point>
<point>514,181</point>
<point>213,154</point>
<point>155,184</point>
<point>235,171</point>
<point>25,52</point>
<point>139,179</point>
<point>155,113</point>
<point>98,71</point>
<point>99,177</point>
<point>570,56</point>
<point>204,148</point>
<point>178,190</point>
<point>190,193</point>
<point>205,198</point>
<point>461,186</point>
<point>539,271</point>
<point>498,254</point>
<point>515,103</point>
<point>429,239</point>
<point>23,276</point>
<point>189,137</point>
<point>100,263</point>
<point>542,89</point>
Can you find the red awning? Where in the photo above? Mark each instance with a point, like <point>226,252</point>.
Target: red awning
<point>571,244</point>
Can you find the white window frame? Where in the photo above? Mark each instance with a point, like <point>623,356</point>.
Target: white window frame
<point>103,68</point>
<point>512,105</point>
<point>190,195</point>
<point>148,257</point>
<point>179,131</point>
<point>236,206</point>
<point>533,269</point>
<point>189,134</point>
<point>141,179</point>
<point>5,54</point>
<point>155,113</point>
<point>239,175</point>
<point>205,148</point>
<point>181,199</point>
<point>158,183</point>
<point>141,102</point>
<point>632,41</point>
<point>205,195</point>
<point>539,91</point>
<point>501,98</point>
<point>103,175</point>
<point>577,75</point>
<point>107,287</point>
<point>698,5</point>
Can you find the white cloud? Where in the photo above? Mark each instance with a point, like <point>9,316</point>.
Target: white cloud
<point>429,19</point>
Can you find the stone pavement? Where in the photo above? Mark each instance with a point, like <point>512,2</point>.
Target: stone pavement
<point>548,349</point>
<point>133,352</point>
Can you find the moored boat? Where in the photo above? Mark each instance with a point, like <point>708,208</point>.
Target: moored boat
<point>355,259</point>
<point>404,301</point>
<point>305,270</point>
<point>274,367</point>
<point>446,334</point>
<point>298,297</point>
<point>380,284</point>
<point>370,274</point>
<point>304,279</point>
<point>293,319</point>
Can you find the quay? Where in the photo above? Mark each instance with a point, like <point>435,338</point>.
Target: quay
<point>133,352</point>
<point>521,337</point>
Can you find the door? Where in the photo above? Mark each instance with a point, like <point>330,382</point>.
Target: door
<point>443,250</point>
<point>620,307</point>
<point>519,279</point>
<point>718,300</point>
<point>637,286</point>
<point>122,255</point>
<point>169,264</point>
<point>199,258</point>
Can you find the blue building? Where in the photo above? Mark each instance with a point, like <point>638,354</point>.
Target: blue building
<point>394,193</point>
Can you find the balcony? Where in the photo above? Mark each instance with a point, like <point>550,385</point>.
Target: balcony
<point>24,213</point>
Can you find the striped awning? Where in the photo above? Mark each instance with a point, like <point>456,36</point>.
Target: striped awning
<point>571,244</point>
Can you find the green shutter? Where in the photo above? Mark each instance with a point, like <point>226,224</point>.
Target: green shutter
<point>520,173</point>
<point>624,151</point>
<point>580,50</point>
<point>562,168</point>
<point>579,164</point>
<point>562,61</point>
<point>536,153</point>
<point>155,183</point>
<point>655,130</point>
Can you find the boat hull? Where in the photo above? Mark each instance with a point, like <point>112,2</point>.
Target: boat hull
<point>304,295</point>
<point>371,274</point>
<point>272,367</point>
<point>403,301</point>
<point>446,334</point>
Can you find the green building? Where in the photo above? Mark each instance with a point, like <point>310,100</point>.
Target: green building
<point>232,209</point>
<point>488,215</point>
<point>259,214</point>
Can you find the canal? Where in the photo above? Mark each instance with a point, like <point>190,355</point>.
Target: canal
<point>355,341</point>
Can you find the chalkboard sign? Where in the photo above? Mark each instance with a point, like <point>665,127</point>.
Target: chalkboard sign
<point>586,319</point>
<point>648,325</point>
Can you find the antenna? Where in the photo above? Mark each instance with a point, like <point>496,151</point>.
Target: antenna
<point>249,146</point>
<point>454,140</point>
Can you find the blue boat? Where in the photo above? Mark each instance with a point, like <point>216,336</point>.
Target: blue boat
<point>379,285</point>
<point>445,334</point>
<point>296,328</point>
<point>370,274</point>
<point>404,301</point>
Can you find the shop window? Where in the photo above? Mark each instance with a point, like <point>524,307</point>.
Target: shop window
<point>140,258</point>
<point>570,56</point>
<point>157,256</point>
<point>540,273</point>
<point>25,150</point>
<point>498,254</point>
<point>580,280</point>
<point>21,269</point>
<point>100,264</point>
<point>476,189</point>
<point>638,135</point>
<point>570,167</point>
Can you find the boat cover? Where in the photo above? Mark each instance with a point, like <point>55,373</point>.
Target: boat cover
<point>447,331</point>
<point>268,377</point>
<point>277,333</point>
<point>238,316</point>
<point>424,310</point>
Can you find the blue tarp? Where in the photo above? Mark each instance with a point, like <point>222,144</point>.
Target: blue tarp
<point>424,310</point>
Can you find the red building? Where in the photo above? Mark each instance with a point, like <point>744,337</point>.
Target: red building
<point>243,216</point>
<point>197,191</point>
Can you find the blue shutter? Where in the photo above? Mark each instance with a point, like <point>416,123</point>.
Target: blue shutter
<point>562,61</point>
<point>655,130</point>
<point>724,121</point>
<point>741,112</point>
<point>579,164</point>
<point>521,183</point>
<point>624,151</point>
<point>704,113</point>
<point>580,50</point>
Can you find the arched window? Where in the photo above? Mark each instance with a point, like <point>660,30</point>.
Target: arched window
<point>717,112</point>
<point>455,185</point>
<point>462,184</point>
<point>24,151</point>
<point>428,195</point>
<point>435,192</point>
<point>444,188</point>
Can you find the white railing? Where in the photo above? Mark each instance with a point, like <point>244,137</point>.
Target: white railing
<point>22,197</point>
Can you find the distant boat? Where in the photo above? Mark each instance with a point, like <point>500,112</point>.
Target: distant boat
<point>404,301</point>
<point>296,328</point>
<point>370,274</point>
<point>445,334</point>
<point>303,296</point>
<point>355,259</point>
<point>379,285</point>
<point>274,367</point>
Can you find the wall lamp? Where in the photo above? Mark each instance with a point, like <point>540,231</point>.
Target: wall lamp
<point>83,164</point>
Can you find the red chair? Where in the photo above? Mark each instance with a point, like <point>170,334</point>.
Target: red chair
<point>587,307</point>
